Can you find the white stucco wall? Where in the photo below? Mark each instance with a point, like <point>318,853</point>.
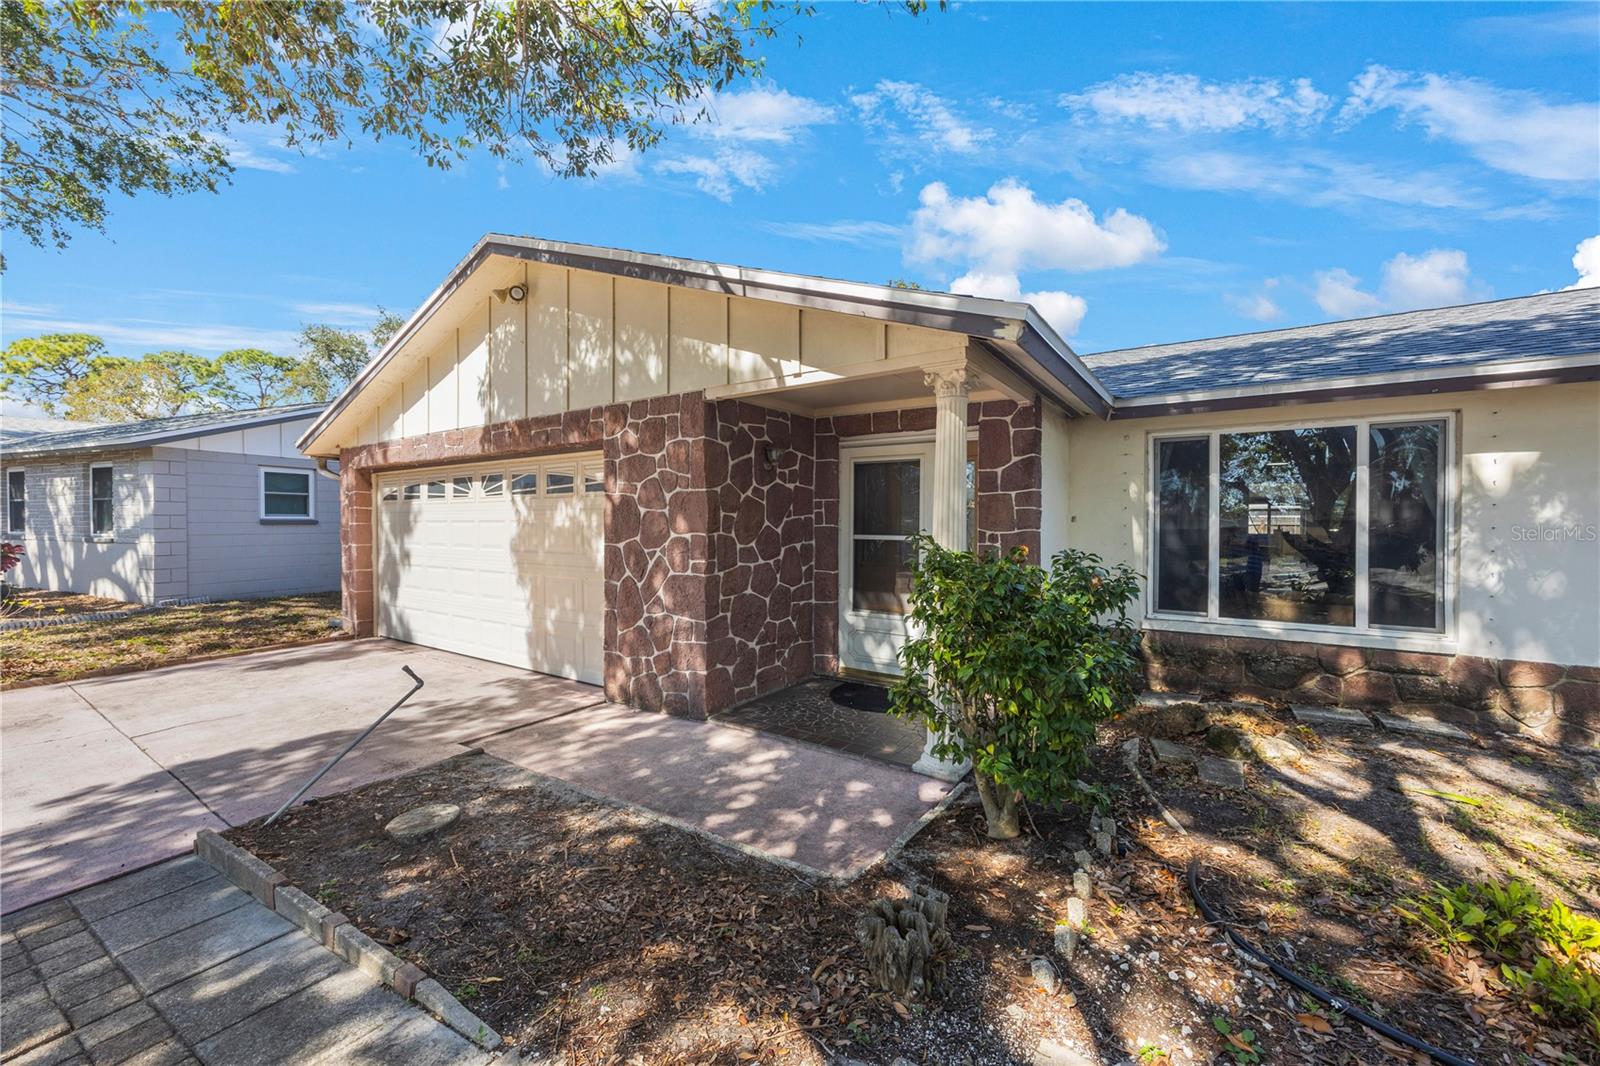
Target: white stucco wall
<point>1527,561</point>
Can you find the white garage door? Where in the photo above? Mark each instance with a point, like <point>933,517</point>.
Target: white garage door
<point>500,561</point>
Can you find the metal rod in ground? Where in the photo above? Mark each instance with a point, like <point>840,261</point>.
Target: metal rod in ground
<point>348,748</point>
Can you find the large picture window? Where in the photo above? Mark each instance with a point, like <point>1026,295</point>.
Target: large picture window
<point>1339,526</point>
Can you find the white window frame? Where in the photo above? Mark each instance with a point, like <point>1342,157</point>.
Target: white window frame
<point>311,494</point>
<point>10,472</point>
<point>109,534</point>
<point>1362,633</point>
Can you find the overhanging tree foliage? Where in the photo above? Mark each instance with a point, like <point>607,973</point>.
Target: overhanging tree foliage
<point>116,95</point>
<point>1013,665</point>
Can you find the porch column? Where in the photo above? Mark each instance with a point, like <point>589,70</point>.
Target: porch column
<point>949,493</point>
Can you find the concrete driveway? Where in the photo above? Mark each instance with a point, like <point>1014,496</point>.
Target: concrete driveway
<point>110,774</point>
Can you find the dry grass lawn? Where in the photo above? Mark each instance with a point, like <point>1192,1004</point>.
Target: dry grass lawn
<point>163,638</point>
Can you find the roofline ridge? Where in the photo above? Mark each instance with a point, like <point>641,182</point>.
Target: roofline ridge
<point>1330,322</point>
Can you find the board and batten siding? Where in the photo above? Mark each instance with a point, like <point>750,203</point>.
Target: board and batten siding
<point>1527,561</point>
<point>582,339</point>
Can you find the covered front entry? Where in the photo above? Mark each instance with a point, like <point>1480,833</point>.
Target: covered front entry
<point>501,561</point>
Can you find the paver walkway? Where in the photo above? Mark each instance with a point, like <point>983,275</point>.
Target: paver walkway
<point>175,965</point>
<point>106,775</point>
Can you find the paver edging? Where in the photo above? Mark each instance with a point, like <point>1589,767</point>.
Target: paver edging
<point>337,934</point>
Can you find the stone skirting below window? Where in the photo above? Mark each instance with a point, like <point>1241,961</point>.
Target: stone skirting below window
<point>1553,702</point>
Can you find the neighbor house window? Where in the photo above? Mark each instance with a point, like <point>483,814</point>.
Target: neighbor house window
<point>16,501</point>
<point>1338,526</point>
<point>286,494</point>
<point>102,508</point>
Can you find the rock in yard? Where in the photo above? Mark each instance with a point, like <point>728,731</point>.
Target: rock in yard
<point>1225,740</point>
<point>1083,859</point>
<point>422,821</point>
<point>1082,884</point>
<point>1341,716</point>
<point>1226,773</point>
<point>1275,749</point>
<point>1104,843</point>
<point>1066,942</point>
<point>1167,751</point>
<point>1044,975</point>
<point>1051,1052</point>
<point>1077,912</point>
<point>1431,727</point>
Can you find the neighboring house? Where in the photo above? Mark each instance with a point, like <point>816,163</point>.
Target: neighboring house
<point>210,505</point>
<point>693,483</point>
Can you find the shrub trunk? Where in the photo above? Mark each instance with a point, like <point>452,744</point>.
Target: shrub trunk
<point>999,808</point>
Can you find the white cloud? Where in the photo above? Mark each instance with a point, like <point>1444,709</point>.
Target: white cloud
<point>1062,310</point>
<point>1511,130</point>
<point>1586,261</point>
<point>1319,179</point>
<point>762,113</point>
<point>1008,230</point>
<point>1255,305</point>
<point>253,157</point>
<point>934,123</point>
<point>720,175</point>
<point>1436,278</point>
<point>155,334</point>
<point>861,232</point>
<point>1190,104</point>
<point>338,314</point>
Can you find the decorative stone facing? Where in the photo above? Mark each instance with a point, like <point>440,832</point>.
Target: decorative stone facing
<point>1008,493</point>
<point>1558,703</point>
<point>658,567</point>
<point>759,631</point>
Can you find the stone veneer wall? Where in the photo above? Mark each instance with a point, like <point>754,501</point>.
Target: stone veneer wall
<point>1008,493</point>
<point>1559,703</point>
<point>760,630</point>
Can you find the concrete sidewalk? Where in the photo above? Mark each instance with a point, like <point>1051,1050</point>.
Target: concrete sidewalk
<point>826,810</point>
<point>107,775</point>
<point>176,965</point>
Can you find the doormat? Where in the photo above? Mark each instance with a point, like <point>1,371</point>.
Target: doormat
<point>861,697</point>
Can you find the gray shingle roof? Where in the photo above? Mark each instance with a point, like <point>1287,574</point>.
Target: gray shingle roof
<point>1546,326</point>
<point>156,430</point>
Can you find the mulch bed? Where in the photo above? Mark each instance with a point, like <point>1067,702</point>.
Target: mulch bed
<point>572,926</point>
<point>166,637</point>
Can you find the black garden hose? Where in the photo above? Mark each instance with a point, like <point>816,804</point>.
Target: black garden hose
<point>1338,1003</point>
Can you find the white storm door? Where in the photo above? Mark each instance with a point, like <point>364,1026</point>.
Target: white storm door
<point>883,502</point>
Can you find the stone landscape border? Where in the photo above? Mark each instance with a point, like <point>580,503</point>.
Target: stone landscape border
<point>336,933</point>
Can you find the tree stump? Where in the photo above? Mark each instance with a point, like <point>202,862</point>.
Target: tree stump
<point>906,943</point>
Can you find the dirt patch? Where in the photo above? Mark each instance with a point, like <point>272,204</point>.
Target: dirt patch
<point>41,603</point>
<point>163,638</point>
<point>571,926</point>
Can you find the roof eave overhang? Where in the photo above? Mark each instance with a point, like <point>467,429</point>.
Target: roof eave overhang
<point>1014,328</point>
<point>1468,378</point>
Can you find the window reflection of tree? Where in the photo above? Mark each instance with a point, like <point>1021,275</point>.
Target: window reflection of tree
<point>1287,496</point>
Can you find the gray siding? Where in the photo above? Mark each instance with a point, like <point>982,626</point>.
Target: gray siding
<point>60,552</point>
<point>229,550</point>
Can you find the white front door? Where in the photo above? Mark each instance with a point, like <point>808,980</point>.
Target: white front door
<point>882,503</point>
<point>500,561</point>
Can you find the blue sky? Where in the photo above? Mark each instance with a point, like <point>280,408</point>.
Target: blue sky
<point>1142,173</point>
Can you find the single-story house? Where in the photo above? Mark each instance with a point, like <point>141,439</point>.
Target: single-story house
<point>693,483</point>
<point>217,505</point>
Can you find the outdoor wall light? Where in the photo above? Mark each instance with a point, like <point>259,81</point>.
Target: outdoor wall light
<point>773,453</point>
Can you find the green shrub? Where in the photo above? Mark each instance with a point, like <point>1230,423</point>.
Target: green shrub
<point>1546,954</point>
<point>1012,666</point>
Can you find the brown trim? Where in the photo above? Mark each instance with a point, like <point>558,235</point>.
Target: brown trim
<point>1509,379</point>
